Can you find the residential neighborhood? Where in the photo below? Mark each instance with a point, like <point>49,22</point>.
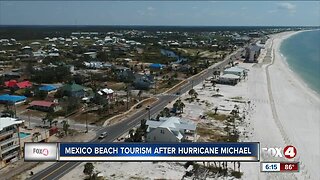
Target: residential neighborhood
<point>77,84</point>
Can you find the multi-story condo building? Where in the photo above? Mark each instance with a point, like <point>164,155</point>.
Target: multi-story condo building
<point>9,140</point>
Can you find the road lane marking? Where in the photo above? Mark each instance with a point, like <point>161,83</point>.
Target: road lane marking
<point>66,170</point>
<point>55,170</point>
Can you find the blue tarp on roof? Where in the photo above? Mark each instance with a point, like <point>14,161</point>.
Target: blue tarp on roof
<point>156,66</point>
<point>47,88</point>
<point>12,98</point>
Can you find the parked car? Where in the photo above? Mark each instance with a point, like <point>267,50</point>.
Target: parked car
<point>138,106</point>
<point>103,135</point>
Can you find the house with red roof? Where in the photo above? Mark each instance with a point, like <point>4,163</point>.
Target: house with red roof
<point>44,106</point>
<point>18,85</point>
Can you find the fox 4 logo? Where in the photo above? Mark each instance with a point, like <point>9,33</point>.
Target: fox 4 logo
<point>288,152</point>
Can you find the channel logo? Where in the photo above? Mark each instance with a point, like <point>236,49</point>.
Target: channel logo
<point>288,152</point>
<point>43,151</point>
<point>40,151</point>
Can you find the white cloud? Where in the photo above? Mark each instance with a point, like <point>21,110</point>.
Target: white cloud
<point>149,11</point>
<point>150,8</point>
<point>287,6</point>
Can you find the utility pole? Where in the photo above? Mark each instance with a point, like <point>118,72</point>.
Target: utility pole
<point>149,113</point>
<point>192,84</point>
<point>29,119</point>
<point>86,122</point>
<point>127,97</point>
<point>155,86</point>
<point>86,118</point>
<point>86,111</point>
<point>15,110</point>
<point>19,138</point>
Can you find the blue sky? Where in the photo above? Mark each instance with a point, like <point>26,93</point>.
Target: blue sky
<point>204,13</point>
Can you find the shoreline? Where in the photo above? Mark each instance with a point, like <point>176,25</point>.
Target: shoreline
<point>297,109</point>
<point>296,75</point>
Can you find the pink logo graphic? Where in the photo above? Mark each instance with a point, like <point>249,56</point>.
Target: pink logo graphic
<point>45,152</point>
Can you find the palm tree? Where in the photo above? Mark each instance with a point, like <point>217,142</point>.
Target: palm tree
<point>131,133</point>
<point>88,169</point>
<point>191,92</point>
<point>179,105</point>
<point>143,125</point>
<point>166,112</point>
<point>35,136</point>
<point>215,110</point>
<point>65,126</point>
<point>195,95</point>
<point>176,105</point>
<point>49,118</point>
<point>44,120</point>
<point>182,106</point>
<point>139,94</point>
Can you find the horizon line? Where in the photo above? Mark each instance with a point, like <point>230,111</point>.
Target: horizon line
<point>162,25</point>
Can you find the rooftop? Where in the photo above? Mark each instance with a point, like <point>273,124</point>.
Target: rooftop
<point>230,76</point>
<point>7,121</point>
<point>72,87</point>
<point>47,88</point>
<point>172,123</point>
<point>42,103</point>
<point>234,69</point>
<point>12,98</point>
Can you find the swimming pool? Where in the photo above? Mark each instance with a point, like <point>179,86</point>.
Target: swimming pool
<point>23,134</point>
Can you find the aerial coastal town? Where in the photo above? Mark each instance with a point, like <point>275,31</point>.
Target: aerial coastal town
<point>129,85</point>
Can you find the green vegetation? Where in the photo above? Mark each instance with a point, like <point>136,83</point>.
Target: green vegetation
<point>219,117</point>
<point>236,174</point>
<point>237,98</point>
<point>88,170</point>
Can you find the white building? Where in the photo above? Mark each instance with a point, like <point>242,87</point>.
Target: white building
<point>172,129</point>
<point>107,93</point>
<point>235,70</point>
<point>231,79</point>
<point>9,140</point>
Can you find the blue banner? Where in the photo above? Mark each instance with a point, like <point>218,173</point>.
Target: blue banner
<point>159,152</point>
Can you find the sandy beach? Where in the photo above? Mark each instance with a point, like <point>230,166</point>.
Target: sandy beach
<point>283,111</point>
<point>286,112</point>
<point>297,110</point>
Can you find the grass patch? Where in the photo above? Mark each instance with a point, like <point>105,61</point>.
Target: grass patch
<point>237,98</point>
<point>135,177</point>
<point>211,135</point>
<point>219,117</point>
<point>202,131</point>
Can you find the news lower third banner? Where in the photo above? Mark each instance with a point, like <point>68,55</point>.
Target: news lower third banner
<point>142,151</point>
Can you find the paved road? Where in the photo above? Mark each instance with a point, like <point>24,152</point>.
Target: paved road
<point>59,169</point>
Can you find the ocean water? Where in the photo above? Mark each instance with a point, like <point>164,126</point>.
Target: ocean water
<point>302,52</point>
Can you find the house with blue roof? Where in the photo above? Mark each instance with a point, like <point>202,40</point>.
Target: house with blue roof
<point>48,88</point>
<point>12,99</point>
<point>156,66</point>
